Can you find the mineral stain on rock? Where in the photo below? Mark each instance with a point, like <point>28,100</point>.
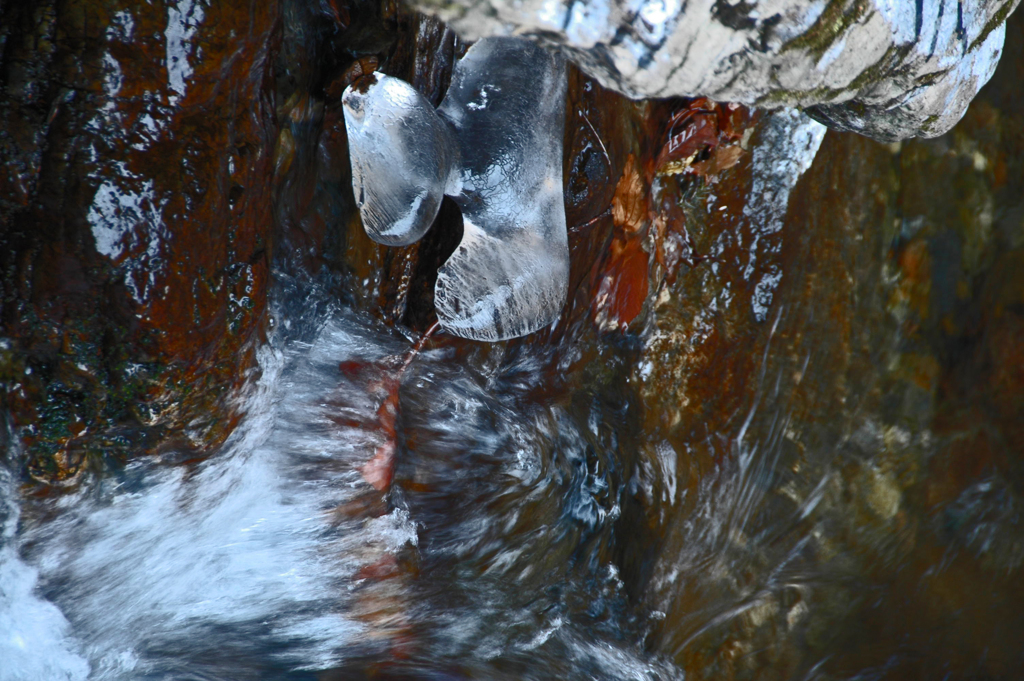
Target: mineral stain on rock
<point>136,245</point>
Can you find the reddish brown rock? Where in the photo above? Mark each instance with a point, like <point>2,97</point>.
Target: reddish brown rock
<point>136,236</point>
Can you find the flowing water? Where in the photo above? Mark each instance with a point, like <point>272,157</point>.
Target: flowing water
<point>775,434</point>
<point>272,560</point>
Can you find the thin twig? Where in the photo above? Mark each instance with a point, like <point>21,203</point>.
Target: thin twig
<point>583,225</point>
<point>603,149</point>
<point>411,355</point>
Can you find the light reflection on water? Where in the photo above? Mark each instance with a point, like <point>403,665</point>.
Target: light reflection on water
<point>535,530</point>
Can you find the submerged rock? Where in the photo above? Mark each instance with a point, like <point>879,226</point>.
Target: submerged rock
<point>890,70</point>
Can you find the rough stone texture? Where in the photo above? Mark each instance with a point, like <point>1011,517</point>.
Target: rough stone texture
<point>890,70</point>
<point>821,483</point>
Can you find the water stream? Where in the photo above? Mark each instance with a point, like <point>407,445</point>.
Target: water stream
<point>273,559</point>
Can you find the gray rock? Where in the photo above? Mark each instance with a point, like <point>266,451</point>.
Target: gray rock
<point>890,69</point>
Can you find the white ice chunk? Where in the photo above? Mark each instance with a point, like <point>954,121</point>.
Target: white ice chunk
<point>495,145</point>
<point>510,274</point>
<point>403,157</point>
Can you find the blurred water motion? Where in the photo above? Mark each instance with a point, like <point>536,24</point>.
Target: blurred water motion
<point>776,432</point>
<point>264,560</point>
<point>704,499</point>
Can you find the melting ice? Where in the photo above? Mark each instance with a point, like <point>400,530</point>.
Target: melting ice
<point>510,275</point>
<point>404,159</point>
<point>495,144</point>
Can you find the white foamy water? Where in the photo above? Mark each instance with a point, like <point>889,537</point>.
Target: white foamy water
<point>179,572</point>
<point>789,142</point>
<point>34,641</point>
<point>244,567</point>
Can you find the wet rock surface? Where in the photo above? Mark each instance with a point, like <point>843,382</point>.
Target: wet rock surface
<point>135,246</point>
<point>858,480</point>
<point>774,434</point>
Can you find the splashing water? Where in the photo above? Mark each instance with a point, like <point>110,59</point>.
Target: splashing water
<point>273,558</point>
